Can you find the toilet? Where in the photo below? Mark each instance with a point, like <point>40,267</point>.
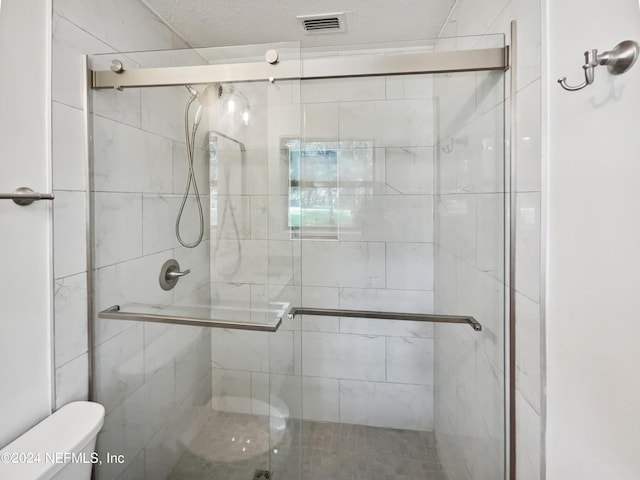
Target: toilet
<point>61,447</point>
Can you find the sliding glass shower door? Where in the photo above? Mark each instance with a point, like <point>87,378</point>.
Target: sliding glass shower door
<point>328,303</point>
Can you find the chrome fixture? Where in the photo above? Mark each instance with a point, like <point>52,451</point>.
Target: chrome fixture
<point>24,196</point>
<point>116,66</point>
<point>271,56</point>
<point>414,317</point>
<point>204,98</point>
<point>168,315</point>
<point>312,68</point>
<point>170,274</point>
<point>618,61</point>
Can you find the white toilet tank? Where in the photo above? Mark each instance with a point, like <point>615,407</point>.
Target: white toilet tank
<point>58,448</point>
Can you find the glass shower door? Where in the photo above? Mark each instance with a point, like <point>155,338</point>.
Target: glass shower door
<point>195,358</point>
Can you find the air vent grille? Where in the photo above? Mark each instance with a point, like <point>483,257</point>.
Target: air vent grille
<point>324,23</point>
<point>332,23</point>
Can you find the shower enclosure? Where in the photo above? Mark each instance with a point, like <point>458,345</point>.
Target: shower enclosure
<point>341,314</point>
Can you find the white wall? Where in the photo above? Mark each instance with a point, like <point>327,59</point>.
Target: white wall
<point>25,232</point>
<point>593,258</point>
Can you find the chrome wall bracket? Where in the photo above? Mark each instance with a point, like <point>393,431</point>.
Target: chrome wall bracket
<point>618,61</point>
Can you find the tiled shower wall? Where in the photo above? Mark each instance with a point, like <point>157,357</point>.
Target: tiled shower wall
<point>470,204</point>
<point>372,372</point>
<point>151,379</point>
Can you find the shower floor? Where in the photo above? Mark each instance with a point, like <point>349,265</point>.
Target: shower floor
<point>233,446</point>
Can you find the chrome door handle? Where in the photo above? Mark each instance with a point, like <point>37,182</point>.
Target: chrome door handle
<point>24,196</point>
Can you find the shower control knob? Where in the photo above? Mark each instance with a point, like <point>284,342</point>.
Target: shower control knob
<point>170,274</point>
<point>271,56</point>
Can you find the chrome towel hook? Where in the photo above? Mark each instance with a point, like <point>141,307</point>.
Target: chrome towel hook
<point>618,61</point>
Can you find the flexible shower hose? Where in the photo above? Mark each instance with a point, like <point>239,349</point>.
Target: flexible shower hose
<point>190,138</point>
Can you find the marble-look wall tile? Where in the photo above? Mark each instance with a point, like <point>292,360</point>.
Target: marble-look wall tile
<point>409,86</point>
<point>529,353</point>
<point>529,138</point>
<point>385,300</point>
<point>72,381</point>
<point>409,266</point>
<point>158,228</point>
<point>69,234</point>
<point>253,351</point>
<point>121,106</point>
<point>69,165</point>
<point>342,90</point>
<point>121,434</point>
<point>240,261</point>
<point>387,328</point>
<point>154,401</point>
<point>119,367</point>
<point>410,360</point>
<point>378,404</point>
<point>127,159</point>
<point>457,225</point>
<point>412,124</point>
<point>231,391</point>
<point>70,310</point>
<point>490,234</point>
<point>357,357</point>
<point>69,42</point>
<point>118,227</point>
<point>392,218</point>
<point>529,453</point>
<point>145,31</point>
<point>343,264</point>
<point>409,170</point>
<point>528,244</point>
<point>163,111</point>
<point>321,399</point>
<point>321,121</point>
<point>161,454</point>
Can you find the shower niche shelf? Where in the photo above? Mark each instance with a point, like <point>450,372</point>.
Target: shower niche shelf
<point>226,316</point>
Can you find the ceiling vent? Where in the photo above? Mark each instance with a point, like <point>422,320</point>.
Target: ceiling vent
<point>323,23</point>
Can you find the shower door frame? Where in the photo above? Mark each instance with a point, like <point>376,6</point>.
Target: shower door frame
<point>387,64</point>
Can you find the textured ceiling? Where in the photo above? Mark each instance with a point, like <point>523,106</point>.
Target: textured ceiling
<point>209,23</point>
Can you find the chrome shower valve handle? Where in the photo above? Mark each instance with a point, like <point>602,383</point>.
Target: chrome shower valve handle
<point>618,61</point>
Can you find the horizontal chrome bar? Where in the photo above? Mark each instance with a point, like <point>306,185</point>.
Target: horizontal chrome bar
<point>114,313</point>
<point>25,196</point>
<point>312,68</point>
<point>415,317</point>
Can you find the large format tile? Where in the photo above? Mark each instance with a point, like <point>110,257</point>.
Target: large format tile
<point>69,162</point>
<point>72,381</point>
<point>391,218</point>
<point>69,42</point>
<point>342,264</point>
<point>358,357</point>
<point>119,367</point>
<point>410,360</point>
<point>409,266</point>
<point>130,160</point>
<point>122,24</point>
<point>386,300</point>
<point>70,308</point>
<point>69,234</point>
<point>412,125</point>
<point>321,399</point>
<point>386,405</point>
<point>118,227</point>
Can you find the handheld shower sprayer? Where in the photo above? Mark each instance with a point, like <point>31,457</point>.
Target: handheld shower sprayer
<point>204,98</point>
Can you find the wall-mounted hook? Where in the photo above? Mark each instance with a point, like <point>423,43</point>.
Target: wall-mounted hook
<point>618,61</point>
